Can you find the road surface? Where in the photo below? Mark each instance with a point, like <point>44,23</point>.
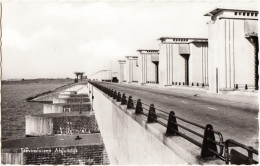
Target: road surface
<point>234,119</point>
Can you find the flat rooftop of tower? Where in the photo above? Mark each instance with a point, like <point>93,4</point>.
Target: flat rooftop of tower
<point>140,50</point>
<point>131,56</point>
<point>182,39</point>
<point>52,141</point>
<point>219,9</point>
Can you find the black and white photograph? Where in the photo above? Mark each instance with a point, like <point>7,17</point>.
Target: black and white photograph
<point>129,82</point>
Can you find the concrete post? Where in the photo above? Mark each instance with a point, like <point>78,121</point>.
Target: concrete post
<point>131,69</point>
<point>122,66</point>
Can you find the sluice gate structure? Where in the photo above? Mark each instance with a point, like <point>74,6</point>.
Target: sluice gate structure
<point>65,133</point>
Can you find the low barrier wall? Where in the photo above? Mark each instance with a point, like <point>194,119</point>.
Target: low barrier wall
<point>70,100</point>
<point>126,141</point>
<point>62,108</point>
<point>229,151</point>
<point>39,125</point>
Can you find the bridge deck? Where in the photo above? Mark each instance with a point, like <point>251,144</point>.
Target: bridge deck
<point>234,116</point>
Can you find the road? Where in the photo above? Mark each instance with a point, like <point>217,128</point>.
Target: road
<point>233,118</point>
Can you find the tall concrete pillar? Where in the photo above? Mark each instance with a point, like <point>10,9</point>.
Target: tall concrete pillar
<point>122,66</point>
<point>148,66</point>
<point>232,57</point>
<point>132,74</point>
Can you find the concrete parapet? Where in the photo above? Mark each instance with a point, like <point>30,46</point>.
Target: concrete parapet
<point>61,123</point>
<point>66,107</point>
<point>70,100</point>
<point>68,92</point>
<point>72,95</point>
<point>122,133</point>
<point>123,129</point>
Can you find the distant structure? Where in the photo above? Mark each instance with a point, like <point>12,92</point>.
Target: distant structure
<point>102,75</point>
<point>77,76</point>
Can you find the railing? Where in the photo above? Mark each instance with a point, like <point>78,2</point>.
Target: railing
<point>247,160</point>
<point>210,146</point>
<point>245,86</point>
<point>191,84</point>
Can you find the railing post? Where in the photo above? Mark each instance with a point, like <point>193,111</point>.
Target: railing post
<point>227,157</point>
<point>123,101</point>
<point>118,97</point>
<point>111,93</point>
<point>172,126</point>
<point>115,95</point>
<point>139,107</point>
<point>250,155</point>
<point>206,144</point>
<point>130,103</point>
<point>152,117</point>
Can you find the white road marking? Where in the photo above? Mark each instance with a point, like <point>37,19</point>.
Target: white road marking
<point>165,97</point>
<point>212,108</point>
<point>184,102</point>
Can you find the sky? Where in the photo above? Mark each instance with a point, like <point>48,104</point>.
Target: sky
<point>53,39</point>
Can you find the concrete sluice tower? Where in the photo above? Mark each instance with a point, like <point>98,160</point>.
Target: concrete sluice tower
<point>148,65</point>
<point>183,61</point>
<point>233,40</point>
<point>66,133</point>
<point>132,74</point>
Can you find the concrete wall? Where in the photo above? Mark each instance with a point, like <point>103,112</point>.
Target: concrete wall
<point>39,125</point>
<point>126,141</point>
<point>198,63</point>
<point>122,72</point>
<point>12,158</point>
<point>70,100</point>
<point>146,68</point>
<point>230,52</point>
<point>163,66</point>
<point>132,74</point>
<point>178,62</point>
<point>50,108</point>
<point>55,108</point>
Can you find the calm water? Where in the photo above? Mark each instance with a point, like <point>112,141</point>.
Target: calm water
<point>15,106</point>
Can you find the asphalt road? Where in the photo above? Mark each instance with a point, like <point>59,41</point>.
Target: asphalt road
<point>234,119</point>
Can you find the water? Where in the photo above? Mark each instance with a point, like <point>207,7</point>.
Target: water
<point>15,106</point>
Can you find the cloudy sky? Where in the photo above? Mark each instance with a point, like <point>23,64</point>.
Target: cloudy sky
<point>55,38</point>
